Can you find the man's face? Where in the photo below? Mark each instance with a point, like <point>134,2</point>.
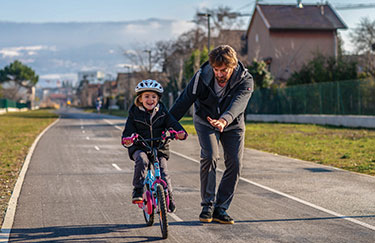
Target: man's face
<point>222,73</point>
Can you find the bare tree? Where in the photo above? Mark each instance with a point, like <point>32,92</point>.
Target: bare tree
<point>363,38</point>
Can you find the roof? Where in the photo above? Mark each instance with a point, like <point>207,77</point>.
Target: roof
<point>290,17</point>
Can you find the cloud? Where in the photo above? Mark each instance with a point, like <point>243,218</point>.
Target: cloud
<point>180,27</point>
<point>10,52</point>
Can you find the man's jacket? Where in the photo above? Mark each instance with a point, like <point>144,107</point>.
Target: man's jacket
<point>200,91</point>
<point>149,125</point>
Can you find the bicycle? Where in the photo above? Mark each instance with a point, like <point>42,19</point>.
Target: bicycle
<point>155,196</point>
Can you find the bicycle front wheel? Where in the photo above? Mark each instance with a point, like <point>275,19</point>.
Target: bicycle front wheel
<point>162,206</point>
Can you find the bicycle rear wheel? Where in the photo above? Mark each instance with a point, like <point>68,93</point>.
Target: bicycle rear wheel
<point>162,205</point>
<point>148,210</point>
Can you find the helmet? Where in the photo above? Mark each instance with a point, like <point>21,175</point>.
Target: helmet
<point>149,85</point>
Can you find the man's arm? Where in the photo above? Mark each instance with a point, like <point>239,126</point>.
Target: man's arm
<point>186,98</point>
<point>239,101</point>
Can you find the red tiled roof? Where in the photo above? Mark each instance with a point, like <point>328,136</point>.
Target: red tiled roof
<point>310,17</point>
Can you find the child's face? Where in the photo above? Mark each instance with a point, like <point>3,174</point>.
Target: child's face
<point>149,100</point>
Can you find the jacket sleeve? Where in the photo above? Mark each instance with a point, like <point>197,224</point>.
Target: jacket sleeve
<point>186,98</point>
<point>129,128</point>
<point>239,101</point>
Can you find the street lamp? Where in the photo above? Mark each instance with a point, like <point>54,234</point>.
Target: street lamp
<point>208,15</point>
<point>149,60</point>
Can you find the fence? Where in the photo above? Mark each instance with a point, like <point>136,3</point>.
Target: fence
<point>354,97</point>
<point>6,105</point>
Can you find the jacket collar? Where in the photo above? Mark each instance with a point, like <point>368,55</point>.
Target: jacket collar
<point>207,74</point>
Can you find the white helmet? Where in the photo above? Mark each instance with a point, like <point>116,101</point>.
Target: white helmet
<point>149,85</point>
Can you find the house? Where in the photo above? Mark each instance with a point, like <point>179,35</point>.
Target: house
<point>287,36</point>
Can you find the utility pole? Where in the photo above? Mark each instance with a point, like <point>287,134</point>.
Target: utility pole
<point>208,15</point>
<point>149,60</point>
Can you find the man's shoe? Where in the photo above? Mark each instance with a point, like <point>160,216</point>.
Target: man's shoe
<point>222,217</point>
<point>206,214</point>
<point>137,195</point>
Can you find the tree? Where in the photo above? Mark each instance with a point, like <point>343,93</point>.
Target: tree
<point>17,76</point>
<point>19,73</point>
<point>363,38</point>
<point>324,69</point>
<point>262,77</point>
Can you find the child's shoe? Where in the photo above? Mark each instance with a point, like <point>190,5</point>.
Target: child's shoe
<point>137,195</point>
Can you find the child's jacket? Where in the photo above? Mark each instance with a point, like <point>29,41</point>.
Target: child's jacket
<point>149,125</point>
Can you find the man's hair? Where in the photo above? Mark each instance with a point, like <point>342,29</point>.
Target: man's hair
<point>223,54</point>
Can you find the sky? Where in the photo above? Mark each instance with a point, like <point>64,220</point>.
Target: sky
<point>181,11</point>
<point>41,11</point>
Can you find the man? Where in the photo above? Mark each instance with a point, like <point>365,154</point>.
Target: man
<point>220,91</point>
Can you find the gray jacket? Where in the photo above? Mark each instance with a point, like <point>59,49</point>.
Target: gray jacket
<point>200,91</point>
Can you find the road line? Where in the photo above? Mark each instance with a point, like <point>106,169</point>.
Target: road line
<point>97,148</point>
<point>116,167</point>
<point>175,217</point>
<point>108,121</point>
<point>11,210</point>
<point>371,227</point>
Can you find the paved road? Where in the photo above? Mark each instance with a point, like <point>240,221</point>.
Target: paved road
<point>78,188</point>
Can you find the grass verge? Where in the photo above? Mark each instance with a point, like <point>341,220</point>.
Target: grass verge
<point>18,130</point>
<point>345,148</point>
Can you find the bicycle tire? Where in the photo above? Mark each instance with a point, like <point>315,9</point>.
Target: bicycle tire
<point>162,205</point>
<point>148,210</point>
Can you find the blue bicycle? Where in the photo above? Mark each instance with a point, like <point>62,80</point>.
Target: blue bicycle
<point>155,196</point>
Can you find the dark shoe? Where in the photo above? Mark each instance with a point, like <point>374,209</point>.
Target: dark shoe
<point>222,217</point>
<point>172,204</point>
<point>137,195</point>
<point>206,214</point>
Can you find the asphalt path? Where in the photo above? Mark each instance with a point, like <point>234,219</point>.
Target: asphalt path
<point>78,189</point>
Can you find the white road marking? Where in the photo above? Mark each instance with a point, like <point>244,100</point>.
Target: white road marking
<point>116,167</point>
<point>108,121</point>
<point>175,217</point>
<point>97,148</point>
<point>291,197</point>
<point>12,205</point>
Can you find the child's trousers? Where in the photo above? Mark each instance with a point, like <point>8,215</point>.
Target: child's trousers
<point>140,167</point>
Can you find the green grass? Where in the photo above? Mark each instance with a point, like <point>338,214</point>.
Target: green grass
<point>18,131</point>
<point>346,148</point>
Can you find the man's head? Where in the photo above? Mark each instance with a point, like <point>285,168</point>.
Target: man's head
<point>223,60</point>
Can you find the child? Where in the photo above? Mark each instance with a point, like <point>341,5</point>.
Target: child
<point>149,118</point>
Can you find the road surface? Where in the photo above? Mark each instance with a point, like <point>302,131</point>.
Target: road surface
<point>78,189</point>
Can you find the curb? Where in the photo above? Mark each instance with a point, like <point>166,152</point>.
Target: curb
<point>11,210</point>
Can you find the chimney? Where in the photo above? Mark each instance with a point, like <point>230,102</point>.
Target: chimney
<point>322,9</point>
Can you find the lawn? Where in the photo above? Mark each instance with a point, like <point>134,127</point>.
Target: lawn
<point>346,148</point>
<point>18,130</point>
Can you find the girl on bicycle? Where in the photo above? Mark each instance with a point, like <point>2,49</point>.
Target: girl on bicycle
<point>149,118</point>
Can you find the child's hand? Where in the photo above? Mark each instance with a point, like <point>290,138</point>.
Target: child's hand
<point>128,141</point>
<point>181,135</point>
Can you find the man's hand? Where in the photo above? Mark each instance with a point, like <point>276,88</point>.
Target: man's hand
<point>219,124</point>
